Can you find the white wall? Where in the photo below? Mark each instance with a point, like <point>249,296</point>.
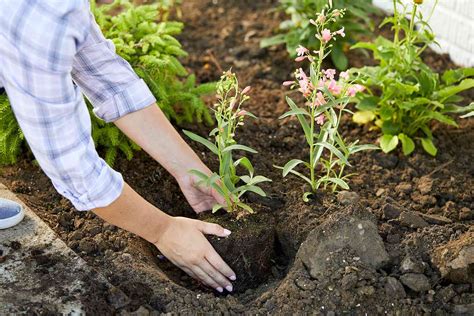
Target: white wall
<point>453,24</point>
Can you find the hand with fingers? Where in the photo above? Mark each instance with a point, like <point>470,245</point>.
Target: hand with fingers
<point>201,198</point>
<point>184,244</point>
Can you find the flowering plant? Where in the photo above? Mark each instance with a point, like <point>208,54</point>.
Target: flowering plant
<point>229,116</point>
<point>320,117</point>
<point>298,30</point>
<point>403,94</point>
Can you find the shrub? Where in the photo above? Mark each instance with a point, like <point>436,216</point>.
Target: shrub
<point>404,95</point>
<point>298,30</point>
<point>229,116</point>
<point>325,101</point>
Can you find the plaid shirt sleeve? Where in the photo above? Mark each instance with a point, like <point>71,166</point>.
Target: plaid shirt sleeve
<point>44,46</point>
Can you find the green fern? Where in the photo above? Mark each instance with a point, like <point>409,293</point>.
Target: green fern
<point>11,136</point>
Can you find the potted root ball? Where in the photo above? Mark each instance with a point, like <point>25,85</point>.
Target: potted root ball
<point>249,250</point>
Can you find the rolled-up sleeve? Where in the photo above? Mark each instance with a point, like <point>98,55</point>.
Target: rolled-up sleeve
<point>39,45</point>
<point>107,80</point>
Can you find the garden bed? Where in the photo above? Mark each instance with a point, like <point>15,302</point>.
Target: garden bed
<point>396,190</point>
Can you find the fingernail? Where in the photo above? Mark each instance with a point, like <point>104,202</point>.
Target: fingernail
<point>233,278</point>
<point>229,288</point>
<point>220,290</point>
<point>227,232</point>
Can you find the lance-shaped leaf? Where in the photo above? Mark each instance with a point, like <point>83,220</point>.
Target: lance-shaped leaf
<point>202,141</point>
<point>302,120</point>
<point>290,165</point>
<point>239,147</point>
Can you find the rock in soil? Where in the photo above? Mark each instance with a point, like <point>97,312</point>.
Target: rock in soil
<point>391,211</point>
<point>412,220</point>
<point>416,282</point>
<point>249,250</point>
<point>425,185</point>
<point>352,228</point>
<point>466,214</point>
<point>393,288</point>
<point>455,260</point>
<point>348,198</point>
<point>410,264</point>
<point>117,298</point>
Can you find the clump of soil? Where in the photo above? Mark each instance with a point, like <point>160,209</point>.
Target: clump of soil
<point>249,250</point>
<point>417,204</point>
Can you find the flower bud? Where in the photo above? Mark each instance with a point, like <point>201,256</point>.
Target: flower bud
<point>418,1</point>
<point>247,89</point>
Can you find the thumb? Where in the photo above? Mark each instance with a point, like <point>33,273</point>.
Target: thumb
<point>214,229</point>
<point>218,197</point>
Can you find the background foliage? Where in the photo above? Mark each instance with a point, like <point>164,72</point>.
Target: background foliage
<point>298,30</point>
<point>404,95</point>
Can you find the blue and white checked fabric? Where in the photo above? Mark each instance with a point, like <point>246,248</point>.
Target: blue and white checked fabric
<point>51,51</point>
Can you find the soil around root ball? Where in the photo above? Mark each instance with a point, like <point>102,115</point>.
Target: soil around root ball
<point>250,248</point>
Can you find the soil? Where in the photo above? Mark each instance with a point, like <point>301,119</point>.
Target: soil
<point>418,203</point>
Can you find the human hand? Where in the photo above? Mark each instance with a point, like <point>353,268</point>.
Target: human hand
<point>184,244</point>
<point>201,198</point>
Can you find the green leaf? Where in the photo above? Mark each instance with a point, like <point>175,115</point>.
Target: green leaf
<point>470,114</point>
<point>334,151</point>
<point>339,182</point>
<point>290,165</point>
<point>452,108</point>
<point>338,58</point>
<point>452,90</point>
<point>428,146</point>
<point>388,143</point>
<point>202,141</point>
<point>365,147</point>
<point>217,207</point>
<point>363,117</point>
<point>368,104</point>
<point>306,196</point>
<point>245,207</point>
<point>245,162</point>
<point>239,147</point>
<point>408,145</point>
<point>304,124</point>
<point>295,112</point>
<point>272,41</point>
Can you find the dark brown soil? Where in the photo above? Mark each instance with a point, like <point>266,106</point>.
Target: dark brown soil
<point>223,34</point>
<point>251,248</point>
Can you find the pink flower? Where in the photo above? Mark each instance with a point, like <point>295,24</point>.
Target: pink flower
<point>329,73</point>
<point>305,85</point>
<point>321,19</point>
<point>300,58</point>
<point>246,90</point>
<point>336,13</point>
<point>359,88</point>
<point>288,83</point>
<point>301,51</point>
<point>334,88</point>
<point>320,100</point>
<point>320,119</point>
<point>344,75</point>
<point>352,91</point>
<point>242,113</point>
<point>326,35</point>
<point>341,32</point>
<point>232,103</point>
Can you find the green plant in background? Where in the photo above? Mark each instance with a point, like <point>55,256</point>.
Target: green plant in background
<point>153,51</point>
<point>299,30</point>
<point>11,136</point>
<point>229,117</point>
<point>325,101</point>
<point>403,94</point>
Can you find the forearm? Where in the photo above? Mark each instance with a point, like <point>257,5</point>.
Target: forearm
<point>152,131</point>
<point>134,214</point>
